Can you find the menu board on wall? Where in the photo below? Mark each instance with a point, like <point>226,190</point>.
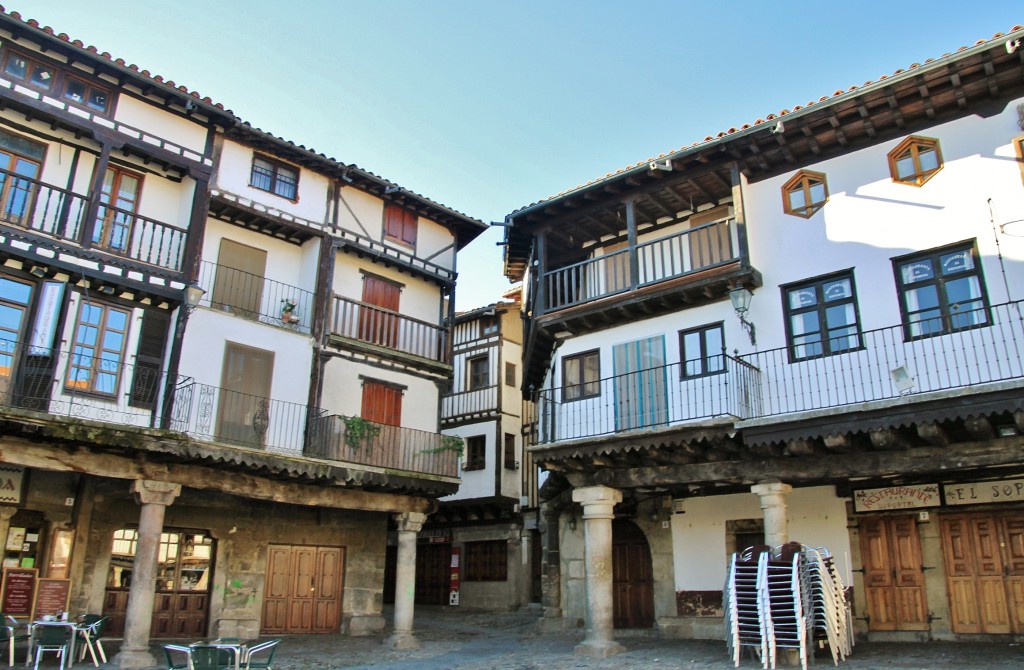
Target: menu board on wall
<point>51,597</point>
<point>19,586</point>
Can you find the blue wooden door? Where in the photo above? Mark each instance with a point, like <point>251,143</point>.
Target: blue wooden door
<point>640,384</point>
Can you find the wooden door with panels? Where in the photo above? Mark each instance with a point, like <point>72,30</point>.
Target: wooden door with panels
<point>303,589</point>
<point>984,558</point>
<point>378,317</point>
<point>632,577</point>
<point>893,573</point>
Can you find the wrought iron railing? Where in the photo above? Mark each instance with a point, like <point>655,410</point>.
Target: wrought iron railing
<point>651,398</point>
<point>686,252</point>
<point>946,351</point>
<point>391,447</point>
<point>384,328</point>
<point>65,383</point>
<point>59,213</point>
<point>256,298</point>
<point>469,403</point>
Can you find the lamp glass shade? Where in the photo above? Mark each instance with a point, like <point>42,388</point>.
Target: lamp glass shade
<point>193,294</point>
<point>740,298</point>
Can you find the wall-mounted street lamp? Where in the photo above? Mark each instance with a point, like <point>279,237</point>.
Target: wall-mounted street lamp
<point>193,294</point>
<point>740,298</point>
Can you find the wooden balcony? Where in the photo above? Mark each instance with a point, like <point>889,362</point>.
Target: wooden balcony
<point>255,298</point>
<point>36,210</point>
<point>469,405</point>
<point>371,329</point>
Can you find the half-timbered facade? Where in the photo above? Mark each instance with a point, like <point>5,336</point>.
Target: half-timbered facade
<point>221,358</point>
<point>806,328</point>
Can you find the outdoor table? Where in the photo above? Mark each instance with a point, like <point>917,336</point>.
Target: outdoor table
<point>236,646</point>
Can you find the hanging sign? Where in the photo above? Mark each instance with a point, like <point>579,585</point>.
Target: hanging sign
<point>896,497</point>
<point>980,493</point>
<point>46,318</point>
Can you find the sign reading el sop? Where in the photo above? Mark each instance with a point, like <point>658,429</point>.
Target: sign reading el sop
<point>979,493</point>
<point>896,497</point>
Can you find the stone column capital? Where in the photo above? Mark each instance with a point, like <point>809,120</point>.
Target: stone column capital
<point>410,521</point>
<point>771,489</point>
<point>598,501</point>
<point>150,492</point>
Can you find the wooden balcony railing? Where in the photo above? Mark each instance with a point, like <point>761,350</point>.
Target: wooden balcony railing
<point>255,298</point>
<point>60,214</point>
<point>369,324</point>
<point>677,255</point>
<point>469,403</point>
<point>391,447</point>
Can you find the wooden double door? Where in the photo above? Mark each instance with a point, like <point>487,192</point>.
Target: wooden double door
<point>303,589</point>
<point>984,559</point>
<point>893,573</point>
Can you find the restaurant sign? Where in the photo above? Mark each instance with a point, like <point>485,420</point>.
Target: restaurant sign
<point>980,493</point>
<point>909,496</point>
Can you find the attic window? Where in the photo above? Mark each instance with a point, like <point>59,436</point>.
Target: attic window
<point>805,193</point>
<point>915,160</point>
<point>274,177</point>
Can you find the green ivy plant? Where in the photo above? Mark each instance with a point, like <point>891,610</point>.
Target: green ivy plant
<point>358,430</point>
<point>448,443</point>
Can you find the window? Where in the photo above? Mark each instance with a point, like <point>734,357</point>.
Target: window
<point>476,453</point>
<point>400,225</point>
<point>510,374</point>
<point>581,375</point>
<point>119,199</point>
<point>702,351</point>
<point>19,161</point>
<point>238,285</point>
<point>488,325</point>
<point>48,78</point>
<point>273,177</point>
<point>821,316</point>
<point>243,410</point>
<point>98,349</point>
<point>915,160</point>
<point>510,451</point>
<point>485,561</point>
<point>382,402</point>
<point>805,193</point>
<point>941,291</point>
<point>478,370</point>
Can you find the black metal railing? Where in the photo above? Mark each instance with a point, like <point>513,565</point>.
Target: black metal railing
<point>943,352</point>
<point>256,298</point>
<point>384,328</point>
<point>61,214</point>
<point>65,383</point>
<point>378,445</point>
<point>686,252</point>
<point>469,403</point>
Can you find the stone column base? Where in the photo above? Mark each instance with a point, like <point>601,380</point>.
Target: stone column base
<point>402,641</point>
<point>598,648</point>
<point>130,659</point>
<point>359,626</point>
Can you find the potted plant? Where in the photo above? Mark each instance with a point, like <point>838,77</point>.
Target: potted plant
<point>288,313</point>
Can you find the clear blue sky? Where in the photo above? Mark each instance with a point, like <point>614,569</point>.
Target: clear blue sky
<point>489,106</point>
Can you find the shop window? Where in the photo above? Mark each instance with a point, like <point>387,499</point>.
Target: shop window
<point>805,194</point>
<point>97,352</point>
<point>703,351</point>
<point>821,316</point>
<point>183,560</point>
<point>941,291</point>
<point>478,372</point>
<point>915,160</point>
<point>485,561</point>
<point>581,376</point>
<point>400,225</point>
<point>476,453</point>
<point>274,177</point>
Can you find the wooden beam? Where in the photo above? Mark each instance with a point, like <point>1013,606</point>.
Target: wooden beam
<point>887,438</point>
<point>840,444</point>
<point>980,428</point>
<point>933,433</point>
<point>800,447</point>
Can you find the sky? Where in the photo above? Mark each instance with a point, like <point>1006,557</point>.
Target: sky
<point>490,106</point>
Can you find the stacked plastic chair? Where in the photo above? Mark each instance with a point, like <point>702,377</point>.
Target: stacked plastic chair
<point>784,593</point>
<point>825,602</point>
<point>746,616</point>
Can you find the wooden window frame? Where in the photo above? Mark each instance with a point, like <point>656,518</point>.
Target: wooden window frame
<point>913,145</point>
<point>577,389</point>
<point>940,280</point>
<point>97,356</point>
<point>476,453</point>
<point>509,452</point>
<point>704,355</point>
<point>62,77</point>
<point>820,307</point>
<point>488,326</point>
<point>109,215</point>
<point>476,380</point>
<point>485,561</point>
<point>274,174</point>
<point>400,224</point>
<point>803,182</point>
<point>510,374</point>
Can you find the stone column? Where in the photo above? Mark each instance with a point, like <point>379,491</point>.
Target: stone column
<point>773,508</point>
<point>551,575</point>
<point>598,511</point>
<point>154,497</point>
<point>409,523</point>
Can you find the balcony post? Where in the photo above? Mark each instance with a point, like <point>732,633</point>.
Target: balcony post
<point>540,300</point>
<point>409,523</point>
<point>739,182</point>
<point>598,511</point>
<point>95,190</point>
<point>634,265</point>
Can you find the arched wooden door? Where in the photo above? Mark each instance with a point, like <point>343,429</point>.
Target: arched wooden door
<point>632,577</point>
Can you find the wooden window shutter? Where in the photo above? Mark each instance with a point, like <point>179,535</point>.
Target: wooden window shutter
<point>149,358</point>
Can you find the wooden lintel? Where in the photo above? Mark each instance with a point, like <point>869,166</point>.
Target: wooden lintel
<point>980,427</point>
<point>887,438</point>
<point>933,433</point>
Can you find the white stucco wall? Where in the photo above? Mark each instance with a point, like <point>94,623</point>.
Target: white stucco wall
<point>152,119</point>
<point>342,392</point>
<point>816,518</point>
<point>476,483</point>
<point>419,298</point>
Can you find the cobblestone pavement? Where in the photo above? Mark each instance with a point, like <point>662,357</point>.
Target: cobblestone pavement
<point>453,639</point>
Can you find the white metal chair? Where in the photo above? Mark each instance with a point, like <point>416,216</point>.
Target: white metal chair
<point>55,637</point>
